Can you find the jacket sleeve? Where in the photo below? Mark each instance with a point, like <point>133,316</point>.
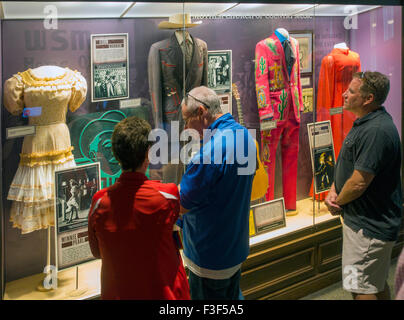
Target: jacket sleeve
<point>325,94</point>
<point>79,92</point>
<point>205,65</point>
<point>92,220</point>
<point>14,95</point>
<point>299,84</point>
<point>155,89</point>
<point>262,80</point>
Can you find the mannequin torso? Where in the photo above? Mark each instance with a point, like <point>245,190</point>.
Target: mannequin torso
<point>180,35</point>
<point>341,45</point>
<point>48,72</point>
<point>283,32</point>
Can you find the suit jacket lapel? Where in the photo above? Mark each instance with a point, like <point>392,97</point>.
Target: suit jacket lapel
<point>282,53</point>
<point>178,56</point>
<point>196,57</point>
<point>292,72</point>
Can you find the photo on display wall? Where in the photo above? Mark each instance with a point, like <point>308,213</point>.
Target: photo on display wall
<point>305,50</point>
<point>324,168</point>
<point>219,70</point>
<point>109,67</point>
<point>75,188</point>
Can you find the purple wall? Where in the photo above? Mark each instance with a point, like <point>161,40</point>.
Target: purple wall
<point>29,45</point>
<point>378,42</point>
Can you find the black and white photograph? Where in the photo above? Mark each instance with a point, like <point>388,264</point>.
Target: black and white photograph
<point>109,67</point>
<point>75,188</point>
<point>305,40</point>
<point>110,81</point>
<point>219,70</point>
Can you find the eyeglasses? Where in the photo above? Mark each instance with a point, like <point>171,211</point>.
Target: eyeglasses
<point>363,77</point>
<point>189,95</point>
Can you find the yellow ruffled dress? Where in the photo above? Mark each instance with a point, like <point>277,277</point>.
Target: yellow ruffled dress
<point>32,189</point>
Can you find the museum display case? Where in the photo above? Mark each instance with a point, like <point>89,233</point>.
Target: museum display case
<point>72,70</point>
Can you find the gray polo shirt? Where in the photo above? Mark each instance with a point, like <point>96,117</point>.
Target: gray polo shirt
<point>373,145</point>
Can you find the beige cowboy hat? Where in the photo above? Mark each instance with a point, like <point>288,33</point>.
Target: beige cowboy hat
<point>176,21</point>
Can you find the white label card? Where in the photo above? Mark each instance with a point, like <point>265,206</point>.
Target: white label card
<point>268,125</point>
<point>22,131</point>
<point>337,110</point>
<point>129,103</point>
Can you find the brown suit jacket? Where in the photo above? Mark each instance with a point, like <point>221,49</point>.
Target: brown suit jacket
<point>166,76</point>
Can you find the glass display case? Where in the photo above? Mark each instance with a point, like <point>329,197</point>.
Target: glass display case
<point>72,70</point>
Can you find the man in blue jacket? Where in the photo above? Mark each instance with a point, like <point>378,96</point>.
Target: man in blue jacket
<point>215,196</point>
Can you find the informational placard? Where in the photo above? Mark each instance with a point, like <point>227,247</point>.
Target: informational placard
<point>21,131</point>
<point>268,216</point>
<point>109,67</point>
<point>130,103</point>
<point>74,190</point>
<point>337,110</point>
<point>267,125</point>
<point>225,102</point>
<point>322,155</point>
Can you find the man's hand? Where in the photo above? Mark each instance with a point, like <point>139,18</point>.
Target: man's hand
<point>330,202</point>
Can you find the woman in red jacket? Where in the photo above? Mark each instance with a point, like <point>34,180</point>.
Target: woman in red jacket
<point>131,225</point>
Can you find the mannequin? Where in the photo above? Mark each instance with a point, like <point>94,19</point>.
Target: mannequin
<point>279,98</point>
<point>179,33</point>
<point>283,32</point>
<point>341,45</point>
<point>174,68</point>
<point>54,89</point>
<point>337,69</point>
<point>48,71</point>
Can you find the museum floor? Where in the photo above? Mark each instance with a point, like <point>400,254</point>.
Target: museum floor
<point>335,291</point>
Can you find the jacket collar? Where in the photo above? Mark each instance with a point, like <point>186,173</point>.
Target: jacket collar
<point>220,121</point>
<point>369,116</point>
<point>133,177</point>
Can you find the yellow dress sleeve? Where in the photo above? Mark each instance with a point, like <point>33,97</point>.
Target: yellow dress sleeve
<point>14,95</point>
<point>79,92</point>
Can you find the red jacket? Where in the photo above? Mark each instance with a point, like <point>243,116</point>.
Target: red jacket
<point>275,88</point>
<point>130,228</point>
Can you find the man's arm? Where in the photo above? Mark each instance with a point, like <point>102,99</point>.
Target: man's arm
<point>330,201</point>
<point>354,187</point>
<point>182,209</point>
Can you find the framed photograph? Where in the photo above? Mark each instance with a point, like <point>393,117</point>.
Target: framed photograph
<point>268,216</point>
<point>305,82</point>
<point>324,164</point>
<point>219,70</point>
<point>322,155</point>
<point>305,40</point>
<point>74,190</point>
<point>307,94</point>
<point>109,67</point>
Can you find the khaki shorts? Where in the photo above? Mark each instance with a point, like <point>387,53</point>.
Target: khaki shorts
<point>365,262</point>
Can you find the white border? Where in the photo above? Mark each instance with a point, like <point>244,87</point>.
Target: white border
<point>57,172</point>
<point>92,63</point>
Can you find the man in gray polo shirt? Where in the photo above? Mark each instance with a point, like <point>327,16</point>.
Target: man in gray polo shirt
<point>367,188</point>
